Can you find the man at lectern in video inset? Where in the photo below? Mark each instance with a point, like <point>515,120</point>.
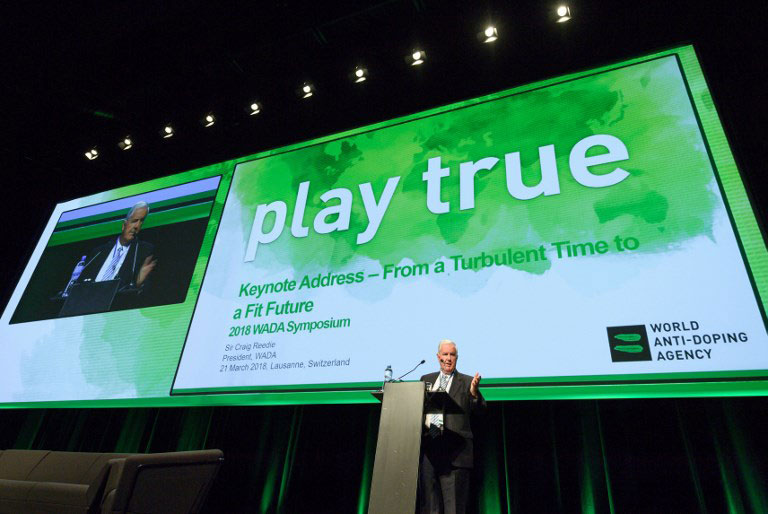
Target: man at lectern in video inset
<point>447,449</point>
<point>125,258</point>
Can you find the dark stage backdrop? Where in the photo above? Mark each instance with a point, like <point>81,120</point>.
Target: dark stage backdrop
<point>688,455</point>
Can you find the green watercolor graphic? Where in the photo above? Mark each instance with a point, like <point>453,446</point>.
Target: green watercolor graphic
<point>667,199</point>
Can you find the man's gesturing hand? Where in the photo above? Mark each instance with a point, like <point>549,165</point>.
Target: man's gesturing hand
<point>474,385</point>
<point>145,270</point>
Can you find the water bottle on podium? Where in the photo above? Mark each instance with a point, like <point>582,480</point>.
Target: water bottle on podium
<point>387,376</point>
<point>75,275</point>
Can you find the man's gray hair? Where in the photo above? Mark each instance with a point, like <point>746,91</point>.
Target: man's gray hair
<point>136,206</point>
<point>447,341</point>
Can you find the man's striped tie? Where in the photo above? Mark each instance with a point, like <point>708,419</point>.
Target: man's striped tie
<point>109,274</point>
<point>436,420</point>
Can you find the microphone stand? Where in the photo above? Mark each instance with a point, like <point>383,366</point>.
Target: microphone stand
<point>400,379</point>
<point>89,262</point>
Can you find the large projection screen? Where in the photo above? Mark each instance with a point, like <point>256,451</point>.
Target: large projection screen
<point>587,236</point>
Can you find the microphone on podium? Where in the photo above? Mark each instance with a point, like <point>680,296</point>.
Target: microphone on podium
<point>400,379</point>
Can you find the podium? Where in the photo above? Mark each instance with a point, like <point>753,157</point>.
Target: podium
<point>396,467</point>
<point>89,297</point>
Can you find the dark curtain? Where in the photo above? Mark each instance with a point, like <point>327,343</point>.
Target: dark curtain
<point>654,455</point>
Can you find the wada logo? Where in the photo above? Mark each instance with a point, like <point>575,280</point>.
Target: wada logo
<point>628,343</point>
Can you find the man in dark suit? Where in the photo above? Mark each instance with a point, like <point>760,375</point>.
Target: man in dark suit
<point>124,258</point>
<point>447,455</point>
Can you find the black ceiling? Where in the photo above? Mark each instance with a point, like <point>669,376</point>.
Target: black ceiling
<point>78,74</point>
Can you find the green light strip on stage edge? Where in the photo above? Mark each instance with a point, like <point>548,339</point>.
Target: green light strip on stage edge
<point>527,381</point>
<point>569,392</point>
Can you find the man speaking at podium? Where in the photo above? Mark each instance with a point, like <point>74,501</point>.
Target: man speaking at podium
<point>447,455</point>
<point>124,258</point>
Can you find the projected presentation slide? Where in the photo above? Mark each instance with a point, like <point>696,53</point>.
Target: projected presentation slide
<point>586,236</point>
<point>570,232</point>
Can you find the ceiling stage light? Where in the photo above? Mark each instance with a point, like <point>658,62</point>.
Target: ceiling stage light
<point>254,108</point>
<point>167,131</point>
<point>306,90</point>
<point>489,35</point>
<point>563,13</point>
<point>126,143</point>
<point>208,120</point>
<point>360,74</point>
<point>92,154</point>
<point>416,58</point>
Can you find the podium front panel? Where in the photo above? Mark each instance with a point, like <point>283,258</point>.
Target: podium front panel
<point>396,468</point>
